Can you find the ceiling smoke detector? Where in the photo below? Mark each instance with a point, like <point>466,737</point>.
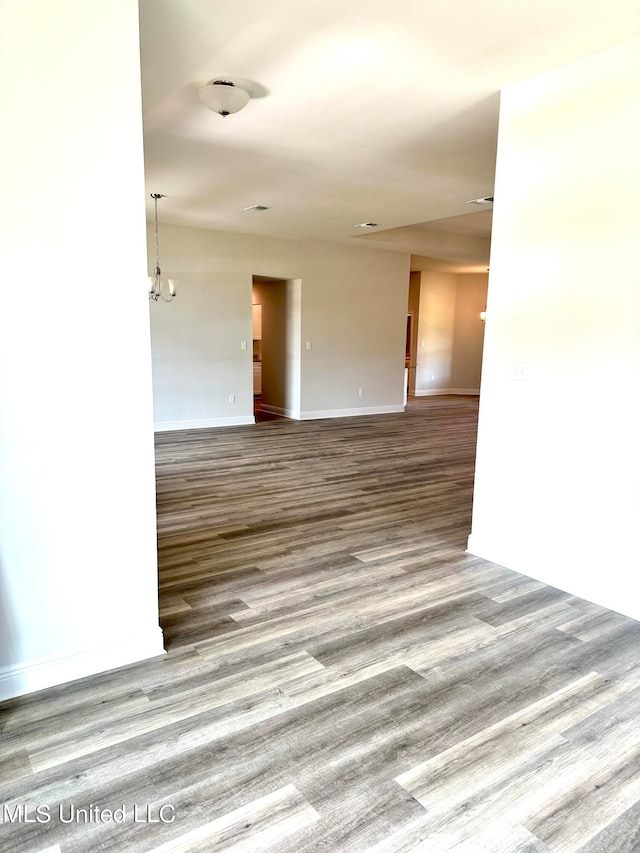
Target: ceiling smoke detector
<point>488,199</point>
<point>259,207</point>
<point>367,225</point>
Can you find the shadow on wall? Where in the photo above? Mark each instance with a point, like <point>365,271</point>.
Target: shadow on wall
<point>9,638</point>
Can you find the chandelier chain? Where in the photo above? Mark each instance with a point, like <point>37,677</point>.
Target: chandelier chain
<point>157,244</point>
<point>156,196</point>
<point>155,291</point>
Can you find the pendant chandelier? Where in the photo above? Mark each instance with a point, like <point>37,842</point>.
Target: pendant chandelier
<point>155,280</point>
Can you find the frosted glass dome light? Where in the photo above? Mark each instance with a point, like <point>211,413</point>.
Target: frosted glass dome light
<point>223,97</point>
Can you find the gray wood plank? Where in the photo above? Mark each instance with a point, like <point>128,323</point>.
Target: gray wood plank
<point>341,675</point>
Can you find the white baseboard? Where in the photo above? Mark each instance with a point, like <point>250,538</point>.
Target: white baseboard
<point>294,414</point>
<point>440,392</point>
<point>167,426</point>
<point>203,423</point>
<point>18,679</point>
<point>348,413</point>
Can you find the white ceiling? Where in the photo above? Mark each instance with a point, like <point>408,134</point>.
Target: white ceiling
<point>361,111</point>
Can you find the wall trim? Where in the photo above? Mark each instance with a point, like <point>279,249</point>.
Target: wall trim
<point>278,410</point>
<point>347,413</point>
<point>203,423</point>
<point>19,679</point>
<point>470,392</point>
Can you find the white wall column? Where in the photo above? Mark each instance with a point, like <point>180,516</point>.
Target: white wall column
<point>78,572</point>
<point>558,460</point>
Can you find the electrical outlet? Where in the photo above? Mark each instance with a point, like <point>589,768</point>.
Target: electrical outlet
<point>520,371</point>
<point>307,345</point>
<point>243,344</point>
<point>232,398</point>
<point>360,392</point>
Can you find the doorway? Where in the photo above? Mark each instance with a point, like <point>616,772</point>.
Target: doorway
<point>276,305</point>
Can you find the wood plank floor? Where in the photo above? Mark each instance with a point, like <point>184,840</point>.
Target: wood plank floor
<point>341,675</point>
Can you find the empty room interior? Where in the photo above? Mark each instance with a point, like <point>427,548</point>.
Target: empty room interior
<point>319,459</point>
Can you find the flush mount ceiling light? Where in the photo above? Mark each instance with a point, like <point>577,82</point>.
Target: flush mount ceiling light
<point>488,199</point>
<point>223,97</point>
<point>366,225</point>
<point>258,207</point>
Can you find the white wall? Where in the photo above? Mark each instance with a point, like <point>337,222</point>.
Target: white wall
<point>293,348</point>
<point>78,582</point>
<point>353,305</point>
<point>450,333</point>
<point>558,460</point>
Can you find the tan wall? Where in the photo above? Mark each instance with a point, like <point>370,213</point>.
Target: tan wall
<point>272,296</point>
<point>414,309</point>
<point>349,303</point>
<point>468,331</point>
<point>450,333</point>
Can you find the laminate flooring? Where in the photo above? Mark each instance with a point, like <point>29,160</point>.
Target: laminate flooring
<point>340,674</point>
